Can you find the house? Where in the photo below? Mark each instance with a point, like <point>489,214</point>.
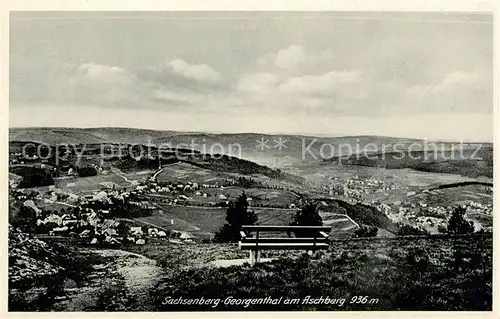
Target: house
<point>72,198</point>
<point>111,240</point>
<point>59,230</point>
<point>93,219</point>
<point>85,233</point>
<point>136,231</point>
<point>108,185</point>
<point>110,232</point>
<point>69,222</point>
<point>161,233</point>
<point>186,236</point>
<point>53,219</point>
<point>152,231</point>
<point>164,190</point>
<point>101,196</point>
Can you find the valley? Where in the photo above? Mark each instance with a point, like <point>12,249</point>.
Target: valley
<point>169,206</point>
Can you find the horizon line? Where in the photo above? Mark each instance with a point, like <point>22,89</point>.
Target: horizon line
<point>320,135</point>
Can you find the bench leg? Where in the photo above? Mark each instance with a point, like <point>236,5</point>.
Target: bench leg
<point>258,256</point>
<point>252,257</point>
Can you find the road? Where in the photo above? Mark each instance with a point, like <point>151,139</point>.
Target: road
<point>143,222</point>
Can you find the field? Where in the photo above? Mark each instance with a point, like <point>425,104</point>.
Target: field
<point>456,195</point>
<point>321,173</point>
<point>259,197</point>
<point>205,221</point>
<point>184,172</point>
<point>91,183</point>
<point>199,220</point>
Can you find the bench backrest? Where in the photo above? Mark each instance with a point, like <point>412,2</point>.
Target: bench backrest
<point>260,228</point>
<point>318,240</point>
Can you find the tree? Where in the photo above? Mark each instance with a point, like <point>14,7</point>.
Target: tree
<point>307,216</point>
<point>237,215</point>
<point>408,230</point>
<point>36,177</point>
<point>87,171</point>
<point>457,224</point>
<point>25,219</point>
<point>366,231</point>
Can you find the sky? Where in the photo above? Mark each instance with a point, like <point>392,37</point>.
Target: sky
<point>423,75</point>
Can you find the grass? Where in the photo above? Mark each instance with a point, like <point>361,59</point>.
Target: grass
<point>438,273</point>
<point>91,183</point>
<point>187,218</point>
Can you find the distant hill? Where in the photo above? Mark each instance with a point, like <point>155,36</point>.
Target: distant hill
<point>126,157</point>
<point>474,162</point>
<point>271,150</point>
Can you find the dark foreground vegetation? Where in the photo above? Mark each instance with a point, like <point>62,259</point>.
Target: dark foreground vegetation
<point>406,273</point>
<point>38,271</point>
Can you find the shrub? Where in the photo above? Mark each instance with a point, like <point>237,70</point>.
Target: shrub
<point>237,215</point>
<point>36,177</point>
<point>408,230</point>
<point>457,224</point>
<point>307,216</point>
<point>366,231</point>
<point>86,171</point>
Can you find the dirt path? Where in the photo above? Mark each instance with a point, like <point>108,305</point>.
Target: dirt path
<point>126,277</point>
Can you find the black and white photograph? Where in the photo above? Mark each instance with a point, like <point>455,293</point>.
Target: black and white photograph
<point>223,161</point>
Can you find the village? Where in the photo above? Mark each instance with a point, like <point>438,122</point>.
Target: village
<point>88,219</point>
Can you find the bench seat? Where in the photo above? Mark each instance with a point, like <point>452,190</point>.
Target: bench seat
<point>283,246</point>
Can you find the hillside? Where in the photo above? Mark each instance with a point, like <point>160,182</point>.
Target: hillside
<point>294,148</point>
<point>453,274</point>
<point>473,162</point>
<point>38,270</point>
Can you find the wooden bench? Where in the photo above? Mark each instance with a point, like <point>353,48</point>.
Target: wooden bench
<point>255,244</point>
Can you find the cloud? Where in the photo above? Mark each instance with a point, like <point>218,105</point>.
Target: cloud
<point>457,78</point>
<point>103,73</point>
<point>290,58</point>
<point>199,72</point>
<point>257,82</point>
<point>451,82</point>
<point>287,58</point>
<point>172,84</point>
<point>319,84</point>
<point>104,84</point>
